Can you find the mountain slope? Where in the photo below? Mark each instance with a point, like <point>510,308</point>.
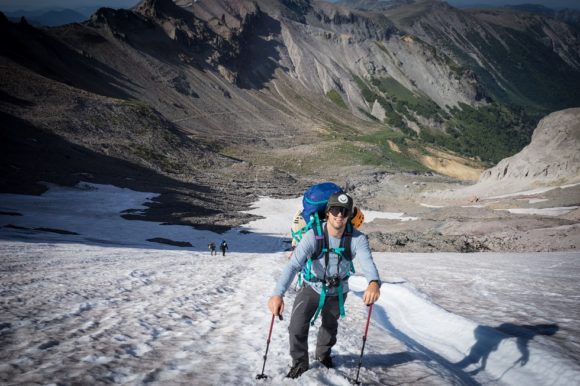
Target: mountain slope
<point>518,57</point>
<point>266,96</point>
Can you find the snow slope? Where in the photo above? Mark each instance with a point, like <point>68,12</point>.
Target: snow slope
<point>106,306</point>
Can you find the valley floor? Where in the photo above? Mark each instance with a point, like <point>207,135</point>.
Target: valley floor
<point>106,306</point>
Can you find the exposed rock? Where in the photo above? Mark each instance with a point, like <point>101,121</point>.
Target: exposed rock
<point>378,111</point>
<point>553,156</point>
<point>430,242</point>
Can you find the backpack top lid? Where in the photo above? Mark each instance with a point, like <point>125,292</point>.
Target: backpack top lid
<point>316,197</point>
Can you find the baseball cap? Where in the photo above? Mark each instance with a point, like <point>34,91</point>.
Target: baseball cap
<point>342,200</point>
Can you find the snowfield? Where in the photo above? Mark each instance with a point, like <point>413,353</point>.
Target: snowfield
<point>87,300</point>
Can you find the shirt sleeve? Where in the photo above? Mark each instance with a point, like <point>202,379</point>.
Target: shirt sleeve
<point>305,248</point>
<point>362,251</point>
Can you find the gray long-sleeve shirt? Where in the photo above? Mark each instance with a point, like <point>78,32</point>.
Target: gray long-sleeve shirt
<point>336,266</point>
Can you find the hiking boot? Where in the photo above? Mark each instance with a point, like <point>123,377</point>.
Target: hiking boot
<point>327,362</point>
<point>296,371</point>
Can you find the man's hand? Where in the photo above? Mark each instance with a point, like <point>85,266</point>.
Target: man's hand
<point>276,305</point>
<point>372,293</point>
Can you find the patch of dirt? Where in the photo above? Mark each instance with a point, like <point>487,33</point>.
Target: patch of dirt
<point>450,165</point>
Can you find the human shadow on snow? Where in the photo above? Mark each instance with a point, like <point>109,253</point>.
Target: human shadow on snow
<point>416,351</point>
<point>489,338</point>
<point>487,341</point>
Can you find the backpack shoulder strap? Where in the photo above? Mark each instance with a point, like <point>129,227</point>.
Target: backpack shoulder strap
<point>347,240</point>
<point>321,238</point>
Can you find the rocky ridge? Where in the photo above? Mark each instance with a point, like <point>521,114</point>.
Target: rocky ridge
<point>552,157</point>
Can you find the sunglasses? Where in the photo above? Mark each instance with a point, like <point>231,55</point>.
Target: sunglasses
<point>335,210</point>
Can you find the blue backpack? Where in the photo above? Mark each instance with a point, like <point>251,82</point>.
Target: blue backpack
<point>314,203</point>
<point>316,197</point>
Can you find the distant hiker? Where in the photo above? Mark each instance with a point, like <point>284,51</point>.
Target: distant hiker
<point>223,247</point>
<point>325,263</point>
<point>211,247</point>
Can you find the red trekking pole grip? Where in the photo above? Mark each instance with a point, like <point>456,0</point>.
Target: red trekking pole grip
<point>368,321</point>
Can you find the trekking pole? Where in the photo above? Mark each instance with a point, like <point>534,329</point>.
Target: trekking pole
<point>356,382</point>
<point>264,376</point>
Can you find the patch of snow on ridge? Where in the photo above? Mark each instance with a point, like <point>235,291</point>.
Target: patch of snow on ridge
<point>432,206</point>
<point>371,215</point>
<point>534,191</point>
<point>278,215</point>
<point>543,211</point>
<point>533,200</point>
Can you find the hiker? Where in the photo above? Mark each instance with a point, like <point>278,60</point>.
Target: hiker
<point>223,247</point>
<point>325,282</point>
<point>211,247</point>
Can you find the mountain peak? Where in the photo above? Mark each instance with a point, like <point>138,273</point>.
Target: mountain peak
<point>224,10</point>
<point>156,8</point>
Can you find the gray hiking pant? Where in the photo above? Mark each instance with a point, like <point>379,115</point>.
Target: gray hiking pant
<point>305,306</point>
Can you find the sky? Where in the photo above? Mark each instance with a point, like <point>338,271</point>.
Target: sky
<point>554,4</point>
<point>13,5</point>
<point>105,305</point>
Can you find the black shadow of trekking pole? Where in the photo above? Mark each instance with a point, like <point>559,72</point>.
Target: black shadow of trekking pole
<point>264,376</point>
<point>355,381</point>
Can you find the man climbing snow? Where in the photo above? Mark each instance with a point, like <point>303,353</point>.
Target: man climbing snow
<point>325,269</point>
